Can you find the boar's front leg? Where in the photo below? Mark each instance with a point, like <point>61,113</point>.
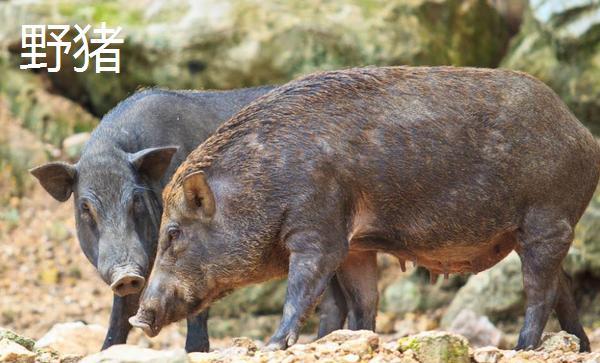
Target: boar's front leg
<point>119,327</point>
<point>332,309</point>
<point>197,333</point>
<point>358,278</point>
<point>544,241</point>
<point>311,267</point>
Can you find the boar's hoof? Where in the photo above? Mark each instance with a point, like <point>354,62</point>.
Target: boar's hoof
<point>281,343</point>
<point>128,285</point>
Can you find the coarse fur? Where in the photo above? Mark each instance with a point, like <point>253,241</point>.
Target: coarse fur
<point>117,185</point>
<point>452,168</point>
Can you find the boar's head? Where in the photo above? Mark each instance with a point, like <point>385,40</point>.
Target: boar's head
<point>117,208</point>
<point>214,237</point>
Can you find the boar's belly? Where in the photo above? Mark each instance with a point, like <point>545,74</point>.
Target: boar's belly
<point>446,257</point>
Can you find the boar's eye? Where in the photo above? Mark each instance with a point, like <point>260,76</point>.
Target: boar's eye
<point>138,203</point>
<point>86,212</point>
<point>173,233</point>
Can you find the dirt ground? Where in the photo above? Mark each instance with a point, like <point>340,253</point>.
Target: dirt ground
<point>45,278</point>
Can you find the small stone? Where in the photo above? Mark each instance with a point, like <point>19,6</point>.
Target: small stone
<point>510,354</point>
<point>325,348</point>
<point>49,275</point>
<point>437,347</point>
<point>73,338</point>
<point>592,358</point>
<point>299,348</point>
<point>559,341</point>
<point>124,353</point>
<point>198,357</point>
<point>21,340</point>
<point>352,358</point>
<point>487,355</point>
<point>385,323</point>
<point>478,329</point>
<point>245,343</point>
<point>11,351</point>
<point>409,357</point>
<point>359,342</point>
<point>49,355</point>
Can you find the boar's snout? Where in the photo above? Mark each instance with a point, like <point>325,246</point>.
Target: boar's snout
<point>128,284</point>
<point>145,319</point>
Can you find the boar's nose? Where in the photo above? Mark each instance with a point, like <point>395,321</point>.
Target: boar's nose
<point>145,319</point>
<point>128,284</point>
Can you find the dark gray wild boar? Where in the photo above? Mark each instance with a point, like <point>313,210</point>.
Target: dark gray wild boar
<point>451,168</point>
<point>117,186</point>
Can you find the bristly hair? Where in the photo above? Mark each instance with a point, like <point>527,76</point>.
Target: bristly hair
<point>309,88</point>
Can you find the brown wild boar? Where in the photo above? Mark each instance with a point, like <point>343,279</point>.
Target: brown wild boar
<point>451,168</point>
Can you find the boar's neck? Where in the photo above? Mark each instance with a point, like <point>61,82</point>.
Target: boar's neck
<point>157,117</point>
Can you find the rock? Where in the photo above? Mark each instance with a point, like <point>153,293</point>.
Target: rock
<point>559,43</point>
<point>403,296</point>
<point>73,145</point>
<point>478,329</point>
<point>20,150</point>
<point>48,116</point>
<point>245,343</point>
<point>49,355</point>
<point>385,323</point>
<point>496,293</point>
<point>26,343</point>
<point>203,357</point>
<point>252,326</point>
<point>230,44</point>
<point>366,337</point>
<point>11,351</point>
<point>73,338</point>
<point>132,354</point>
<point>437,347</point>
<point>414,323</point>
<point>562,341</point>
<point>359,342</point>
<point>416,293</point>
<point>487,355</point>
<point>587,237</point>
<point>261,299</point>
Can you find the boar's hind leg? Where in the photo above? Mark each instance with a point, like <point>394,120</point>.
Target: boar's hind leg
<point>566,312</point>
<point>332,309</point>
<point>358,278</point>
<point>197,333</point>
<point>313,261</point>
<point>119,327</point>
<point>543,243</point>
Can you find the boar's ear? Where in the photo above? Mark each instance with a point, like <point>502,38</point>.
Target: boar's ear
<point>198,194</point>
<point>154,161</point>
<point>57,178</point>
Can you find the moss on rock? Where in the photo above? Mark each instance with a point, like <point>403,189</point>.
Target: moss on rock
<point>14,337</point>
<point>437,347</point>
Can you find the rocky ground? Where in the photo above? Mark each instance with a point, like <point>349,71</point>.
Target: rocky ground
<point>44,278</point>
<point>339,346</point>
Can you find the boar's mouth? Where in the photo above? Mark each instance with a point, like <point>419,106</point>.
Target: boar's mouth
<point>147,322</point>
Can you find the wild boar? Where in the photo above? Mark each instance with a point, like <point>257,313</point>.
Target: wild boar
<point>451,168</point>
<point>118,181</point>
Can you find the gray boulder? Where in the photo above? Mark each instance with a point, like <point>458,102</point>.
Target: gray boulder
<point>559,43</point>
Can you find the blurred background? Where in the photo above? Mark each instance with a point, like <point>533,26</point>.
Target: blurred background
<point>224,44</point>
